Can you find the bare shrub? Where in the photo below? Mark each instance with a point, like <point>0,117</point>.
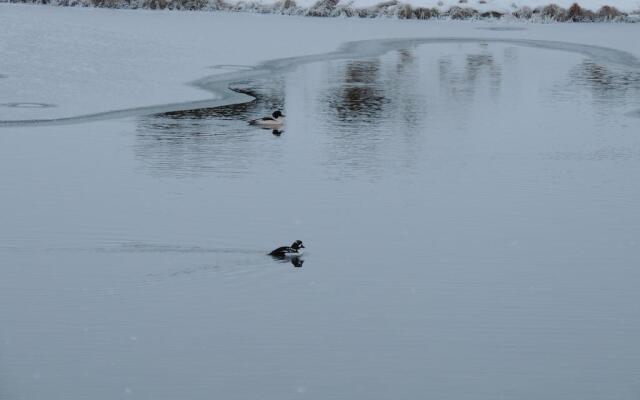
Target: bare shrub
<point>425,13</point>
<point>286,4</point>
<point>492,14</point>
<point>552,12</point>
<point>457,12</point>
<point>609,13</point>
<point>154,4</point>
<point>523,13</point>
<point>218,5</point>
<point>105,3</point>
<point>576,13</point>
<point>322,8</point>
<point>405,12</point>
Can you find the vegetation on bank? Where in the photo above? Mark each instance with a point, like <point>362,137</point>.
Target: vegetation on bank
<point>390,9</point>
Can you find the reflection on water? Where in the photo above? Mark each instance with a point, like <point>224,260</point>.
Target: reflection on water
<point>473,233</point>
<point>368,108</point>
<point>206,140</point>
<point>478,69</point>
<point>605,83</point>
<point>295,261</point>
<point>358,96</point>
<point>374,116</point>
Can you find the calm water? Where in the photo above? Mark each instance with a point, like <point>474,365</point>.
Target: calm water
<point>470,212</point>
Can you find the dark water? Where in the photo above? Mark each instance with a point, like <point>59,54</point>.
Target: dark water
<point>470,213</point>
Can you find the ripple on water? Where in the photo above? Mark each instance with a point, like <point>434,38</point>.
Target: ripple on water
<point>27,105</point>
<point>603,154</point>
<point>503,28</point>
<point>635,113</point>
<point>233,67</point>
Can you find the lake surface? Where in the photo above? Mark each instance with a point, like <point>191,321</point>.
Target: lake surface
<point>470,212</point>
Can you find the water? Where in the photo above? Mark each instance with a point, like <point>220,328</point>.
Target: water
<point>469,209</point>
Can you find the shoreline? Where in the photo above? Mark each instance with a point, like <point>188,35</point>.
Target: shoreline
<point>395,9</point>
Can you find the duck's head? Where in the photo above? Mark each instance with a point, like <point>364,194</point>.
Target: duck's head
<point>277,114</point>
<point>297,245</point>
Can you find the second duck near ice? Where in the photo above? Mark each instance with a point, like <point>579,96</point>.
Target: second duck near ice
<point>275,120</point>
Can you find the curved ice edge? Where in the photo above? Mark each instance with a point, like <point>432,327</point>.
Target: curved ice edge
<point>219,83</point>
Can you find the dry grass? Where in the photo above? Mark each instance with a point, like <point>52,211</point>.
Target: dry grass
<point>457,12</point>
<point>391,9</point>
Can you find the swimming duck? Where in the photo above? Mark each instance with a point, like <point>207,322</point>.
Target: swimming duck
<point>295,250</point>
<point>275,120</point>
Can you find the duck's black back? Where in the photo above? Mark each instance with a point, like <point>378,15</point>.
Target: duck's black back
<point>280,251</point>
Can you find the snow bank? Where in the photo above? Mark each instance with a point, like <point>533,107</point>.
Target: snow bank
<point>535,10</point>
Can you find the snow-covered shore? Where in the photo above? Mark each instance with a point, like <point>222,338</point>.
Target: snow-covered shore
<point>530,10</point>
<point>70,62</point>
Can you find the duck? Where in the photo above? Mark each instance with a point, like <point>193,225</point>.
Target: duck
<point>295,250</point>
<point>275,120</point>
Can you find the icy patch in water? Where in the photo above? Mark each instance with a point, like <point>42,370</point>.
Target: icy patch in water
<point>219,83</point>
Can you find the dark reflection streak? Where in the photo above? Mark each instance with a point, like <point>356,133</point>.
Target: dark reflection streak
<point>372,97</point>
<point>604,82</point>
<point>204,140</point>
<point>358,98</point>
<point>411,103</point>
<point>607,85</point>
<point>295,261</point>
